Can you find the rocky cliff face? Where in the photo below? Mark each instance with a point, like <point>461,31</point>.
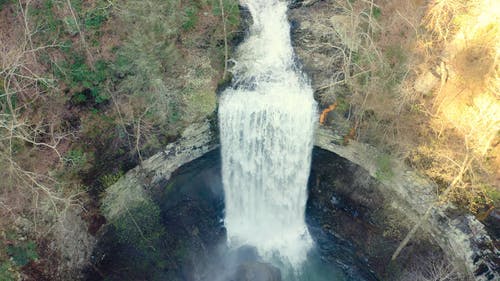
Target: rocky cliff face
<point>403,197</point>
<point>462,237</point>
<point>131,189</point>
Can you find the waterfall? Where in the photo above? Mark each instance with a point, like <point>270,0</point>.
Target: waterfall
<point>267,122</point>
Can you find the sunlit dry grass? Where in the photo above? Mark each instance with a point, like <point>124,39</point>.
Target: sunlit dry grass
<point>469,100</point>
<point>424,85</point>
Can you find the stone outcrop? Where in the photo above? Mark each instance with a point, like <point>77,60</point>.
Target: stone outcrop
<point>73,243</point>
<point>195,141</point>
<point>462,237</point>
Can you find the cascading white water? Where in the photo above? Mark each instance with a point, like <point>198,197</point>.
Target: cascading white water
<point>266,127</point>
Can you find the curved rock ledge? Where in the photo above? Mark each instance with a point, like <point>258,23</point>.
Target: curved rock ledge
<point>462,237</point>
<point>195,141</point>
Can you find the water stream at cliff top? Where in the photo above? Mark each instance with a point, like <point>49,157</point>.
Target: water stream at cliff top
<point>267,122</point>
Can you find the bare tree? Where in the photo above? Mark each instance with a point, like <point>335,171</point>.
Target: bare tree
<point>24,127</point>
<point>432,268</point>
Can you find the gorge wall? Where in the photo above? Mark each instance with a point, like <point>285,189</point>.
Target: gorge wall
<point>462,238</point>
<point>404,192</point>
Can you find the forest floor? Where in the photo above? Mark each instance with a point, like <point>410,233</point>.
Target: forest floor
<point>87,90</point>
<point>419,80</point>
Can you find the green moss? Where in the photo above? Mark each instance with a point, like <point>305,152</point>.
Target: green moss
<point>4,102</point>
<point>77,5</point>
<point>175,113</point>
<point>110,179</point>
<point>376,13</point>
<point>45,18</point>
<point>23,252</point>
<point>191,17</point>
<point>85,81</point>
<point>7,269</point>
<point>384,167</point>
<point>140,226</point>
<point>493,194</point>
<point>79,77</point>
<point>342,104</point>
<point>364,78</point>
<point>4,3</point>
<point>75,158</point>
<point>71,25</point>
<point>140,237</point>
<point>355,57</point>
<point>94,19</point>
<point>170,186</point>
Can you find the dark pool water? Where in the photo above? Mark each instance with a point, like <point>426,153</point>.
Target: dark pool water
<point>192,244</point>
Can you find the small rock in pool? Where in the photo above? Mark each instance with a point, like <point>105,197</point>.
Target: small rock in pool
<point>335,201</point>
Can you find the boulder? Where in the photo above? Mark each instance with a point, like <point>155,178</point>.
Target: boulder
<point>257,271</point>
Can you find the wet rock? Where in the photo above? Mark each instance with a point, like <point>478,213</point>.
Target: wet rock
<point>344,200</point>
<point>462,237</point>
<point>320,61</point>
<point>301,3</point>
<point>171,232</point>
<point>245,23</point>
<point>493,223</point>
<point>257,271</point>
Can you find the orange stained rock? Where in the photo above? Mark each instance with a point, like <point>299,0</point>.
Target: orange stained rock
<point>323,115</point>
